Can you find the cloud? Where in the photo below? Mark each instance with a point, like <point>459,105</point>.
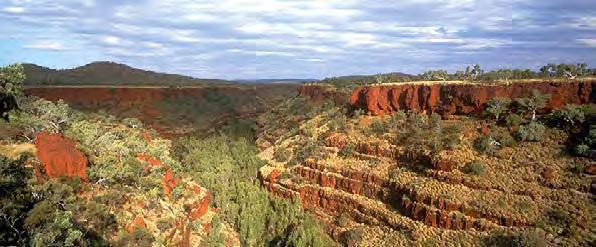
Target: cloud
<point>302,38</point>
<point>47,45</point>
<point>14,10</point>
<point>588,42</point>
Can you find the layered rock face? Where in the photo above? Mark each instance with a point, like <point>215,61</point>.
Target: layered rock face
<point>60,157</point>
<point>464,99</point>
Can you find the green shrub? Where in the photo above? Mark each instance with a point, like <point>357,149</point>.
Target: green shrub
<point>513,120</point>
<point>568,116</point>
<point>533,132</point>
<point>424,136</point>
<point>486,145</point>
<point>347,150</point>
<point>378,127</point>
<point>497,107</point>
<point>577,168</point>
<point>582,149</point>
<point>505,139</point>
<point>475,167</point>
<point>502,238</point>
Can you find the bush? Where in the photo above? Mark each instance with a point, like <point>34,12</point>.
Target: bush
<point>424,136</point>
<point>567,117</point>
<point>497,107</point>
<point>510,239</point>
<point>513,120</point>
<point>475,167</point>
<point>281,154</point>
<point>486,145</point>
<point>533,132</point>
<point>505,139</point>
<point>353,237</point>
<point>347,150</point>
<point>378,127</point>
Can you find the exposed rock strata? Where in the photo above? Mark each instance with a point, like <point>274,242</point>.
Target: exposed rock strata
<point>463,99</point>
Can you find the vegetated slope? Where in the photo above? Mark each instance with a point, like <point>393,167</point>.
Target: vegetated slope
<point>414,179</point>
<point>87,179</point>
<point>175,111</point>
<point>93,181</point>
<point>108,73</point>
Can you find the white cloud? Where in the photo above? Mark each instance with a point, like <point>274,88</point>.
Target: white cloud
<point>47,45</point>
<point>588,42</point>
<point>14,10</point>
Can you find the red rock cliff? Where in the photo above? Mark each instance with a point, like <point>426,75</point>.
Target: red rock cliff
<point>463,99</point>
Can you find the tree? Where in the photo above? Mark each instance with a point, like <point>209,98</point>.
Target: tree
<point>435,75</point>
<point>476,72</point>
<point>11,78</point>
<point>498,106</point>
<point>534,103</point>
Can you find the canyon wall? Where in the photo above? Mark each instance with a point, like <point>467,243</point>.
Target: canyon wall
<point>453,98</point>
<point>168,109</point>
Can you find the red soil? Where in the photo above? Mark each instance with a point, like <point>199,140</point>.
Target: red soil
<point>60,157</point>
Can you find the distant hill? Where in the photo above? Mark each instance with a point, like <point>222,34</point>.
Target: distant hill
<point>108,73</point>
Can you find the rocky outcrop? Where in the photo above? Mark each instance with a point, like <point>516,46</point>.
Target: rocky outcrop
<point>464,99</point>
<point>320,93</point>
<point>60,156</point>
<point>336,190</point>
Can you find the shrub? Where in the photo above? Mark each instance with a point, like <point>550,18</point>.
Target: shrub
<point>513,120</point>
<point>567,117</point>
<point>353,237</point>
<point>498,106</point>
<point>281,154</point>
<point>582,149</point>
<point>577,168</point>
<point>532,104</point>
<point>347,150</point>
<point>378,127</point>
<point>533,132</point>
<point>505,139</point>
<point>502,238</point>
<point>338,124</point>
<point>475,167</point>
<point>486,145</point>
<point>424,136</point>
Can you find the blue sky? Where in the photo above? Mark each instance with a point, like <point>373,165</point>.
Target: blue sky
<point>234,39</point>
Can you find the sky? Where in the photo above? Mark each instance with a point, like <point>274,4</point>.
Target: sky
<point>249,39</point>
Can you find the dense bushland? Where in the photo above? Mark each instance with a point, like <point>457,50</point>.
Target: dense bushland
<point>228,168</point>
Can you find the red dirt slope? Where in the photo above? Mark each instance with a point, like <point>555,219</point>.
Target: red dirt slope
<point>60,157</point>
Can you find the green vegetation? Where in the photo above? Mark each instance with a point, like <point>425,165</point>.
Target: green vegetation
<point>516,239</point>
<point>229,170</point>
<point>11,78</point>
<point>425,136</point>
<point>475,167</point>
<point>472,73</point>
<point>533,132</point>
